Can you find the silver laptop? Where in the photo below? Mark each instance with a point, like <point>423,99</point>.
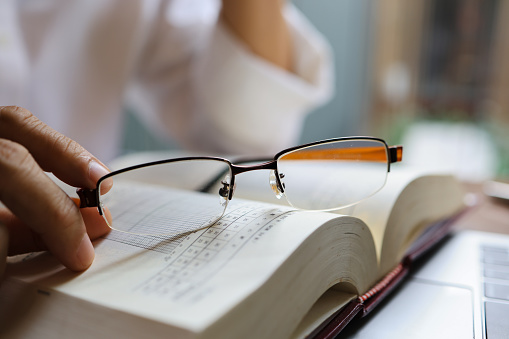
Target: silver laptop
<point>460,291</point>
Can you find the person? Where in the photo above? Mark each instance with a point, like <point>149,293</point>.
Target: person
<point>38,215</point>
<point>232,77</point>
<point>235,76</point>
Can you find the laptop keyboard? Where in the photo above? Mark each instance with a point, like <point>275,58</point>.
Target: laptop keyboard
<point>496,291</point>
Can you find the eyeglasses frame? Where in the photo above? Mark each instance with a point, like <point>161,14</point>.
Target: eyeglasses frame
<point>91,197</point>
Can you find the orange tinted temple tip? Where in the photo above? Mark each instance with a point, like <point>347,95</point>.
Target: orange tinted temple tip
<point>396,153</point>
<point>77,201</point>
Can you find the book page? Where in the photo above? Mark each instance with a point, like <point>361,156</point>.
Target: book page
<point>187,281</point>
<point>411,200</point>
<point>404,203</point>
<point>178,270</point>
<point>392,230</point>
<point>328,304</point>
<point>374,211</point>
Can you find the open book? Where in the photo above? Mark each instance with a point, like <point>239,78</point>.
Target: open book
<point>263,270</point>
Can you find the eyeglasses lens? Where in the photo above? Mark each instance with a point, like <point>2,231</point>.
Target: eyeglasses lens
<point>144,200</point>
<point>334,174</point>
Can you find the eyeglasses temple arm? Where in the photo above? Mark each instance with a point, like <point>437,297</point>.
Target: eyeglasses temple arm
<point>209,184</point>
<point>395,153</point>
<point>88,197</point>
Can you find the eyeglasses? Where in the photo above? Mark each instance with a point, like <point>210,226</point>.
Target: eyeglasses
<point>183,195</point>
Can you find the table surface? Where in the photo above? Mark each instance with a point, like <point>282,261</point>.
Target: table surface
<point>488,214</point>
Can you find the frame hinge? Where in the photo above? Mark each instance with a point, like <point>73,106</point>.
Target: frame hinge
<point>88,198</point>
<point>396,153</point>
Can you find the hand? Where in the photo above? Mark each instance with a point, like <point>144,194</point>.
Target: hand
<point>261,25</point>
<point>39,215</point>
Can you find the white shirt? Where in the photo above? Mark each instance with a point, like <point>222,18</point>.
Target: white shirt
<point>77,64</point>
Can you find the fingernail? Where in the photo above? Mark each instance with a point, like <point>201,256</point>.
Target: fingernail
<point>96,171</point>
<point>85,253</point>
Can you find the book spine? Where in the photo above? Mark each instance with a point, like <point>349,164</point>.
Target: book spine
<point>381,284</point>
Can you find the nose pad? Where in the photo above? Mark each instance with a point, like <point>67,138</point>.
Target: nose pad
<point>274,184</point>
<point>224,191</point>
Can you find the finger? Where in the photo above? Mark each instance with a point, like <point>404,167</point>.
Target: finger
<point>53,151</point>
<point>40,204</point>
<point>96,224</point>
<point>23,240</point>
